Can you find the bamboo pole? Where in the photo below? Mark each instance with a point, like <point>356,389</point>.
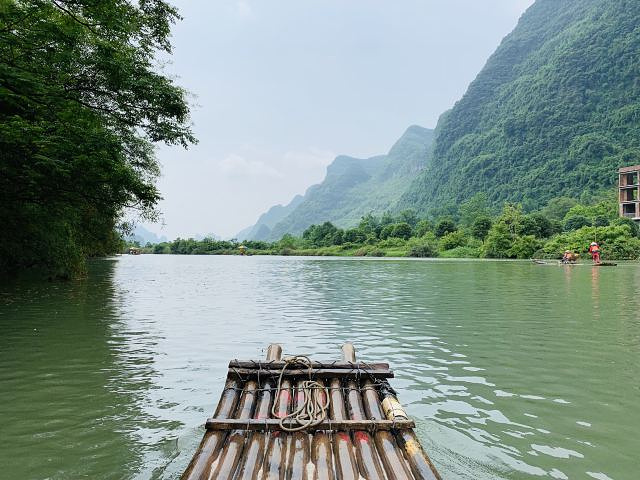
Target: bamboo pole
<point>275,462</point>
<point>252,457</point>
<point>200,465</point>
<point>366,455</point>
<point>274,352</point>
<point>298,446</point>
<point>345,462</point>
<point>348,352</point>
<point>274,466</point>
<point>321,457</point>
<point>321,452</point>
<point>273,424</point>
<point>278,364</point>
<point>390,453</point>
<point>420,463</point>
<point>230,455</point>
<point>232,452</point>
<point>325,373</point>
<point>253,453</point>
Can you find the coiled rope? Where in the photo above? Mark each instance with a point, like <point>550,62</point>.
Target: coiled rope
<point>312,410</point>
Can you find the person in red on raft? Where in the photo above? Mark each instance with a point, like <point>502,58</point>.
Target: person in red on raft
<point>594,250</point>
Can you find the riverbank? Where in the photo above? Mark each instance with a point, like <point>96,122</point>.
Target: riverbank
<point>472,232</point>
<point>397,251</point>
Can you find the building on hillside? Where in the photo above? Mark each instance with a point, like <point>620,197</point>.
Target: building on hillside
<point>629,191</point>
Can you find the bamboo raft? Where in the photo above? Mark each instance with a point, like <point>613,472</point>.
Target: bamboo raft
<point>359,431</point>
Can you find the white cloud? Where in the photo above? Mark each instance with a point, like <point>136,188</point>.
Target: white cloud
<point>238,166</point>
<point>244,9</point>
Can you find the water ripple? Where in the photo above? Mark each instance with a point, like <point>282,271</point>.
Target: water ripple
<point>511,371</point>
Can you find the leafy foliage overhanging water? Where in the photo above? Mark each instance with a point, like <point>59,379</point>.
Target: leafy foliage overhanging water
<point>80,105</point>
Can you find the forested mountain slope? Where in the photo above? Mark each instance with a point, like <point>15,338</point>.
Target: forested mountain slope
<point>555,111</point>
<point>354,187</point>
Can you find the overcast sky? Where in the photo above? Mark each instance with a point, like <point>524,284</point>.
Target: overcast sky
<point>282,87</point>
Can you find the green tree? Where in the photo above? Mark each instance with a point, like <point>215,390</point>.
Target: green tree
<point>445,225</point>
<point>511,217</point>
<point>159,248</point>
<point>524,247</point>
<point>425,249</point>
<point>402,230</point>
<point>81,105</point>
<point>503,233</point>
<point>633,226</point>
<point>452,240</point>
<point>355,235</point>
<point>423,227</point>
<point>480,227</point>
<point>287,241</point>
<point>536,224</point>
<point>607,209</point>
<point>557,208</point>
<point>386,219</point>
<point>386,232</point>
<point>370,225</point>
<point>323,235</point>
<point>499,241</point>
<point>474,208</point>
<point>575,222</point>
<point>408,216</point>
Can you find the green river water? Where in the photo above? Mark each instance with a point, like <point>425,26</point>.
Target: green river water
<point>511,370</point>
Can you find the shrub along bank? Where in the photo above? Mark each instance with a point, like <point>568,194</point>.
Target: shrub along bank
<point>473,232</point>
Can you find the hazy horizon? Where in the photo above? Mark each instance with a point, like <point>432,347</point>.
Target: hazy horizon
<point>281,89</point>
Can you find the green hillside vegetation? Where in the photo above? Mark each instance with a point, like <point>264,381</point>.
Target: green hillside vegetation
<point>80,108</point>
<point>472,232</point>
<point>354,187</point>
<point>269,219</point>
<point>555,111</point>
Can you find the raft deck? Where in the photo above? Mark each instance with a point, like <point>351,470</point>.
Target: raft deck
<point>366,433</point>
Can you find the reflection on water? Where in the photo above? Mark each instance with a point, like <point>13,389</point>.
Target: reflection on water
<point>511,370</point>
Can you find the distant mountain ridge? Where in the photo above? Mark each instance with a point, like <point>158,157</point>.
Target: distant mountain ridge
<point>352,188</point>
<point>143,236</point>
<point>262,228</point>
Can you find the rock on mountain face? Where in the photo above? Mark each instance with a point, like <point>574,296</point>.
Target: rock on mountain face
<point>354,187</point>
<point>555,111</point>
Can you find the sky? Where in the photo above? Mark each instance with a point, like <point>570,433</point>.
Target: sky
<point>280,88</point>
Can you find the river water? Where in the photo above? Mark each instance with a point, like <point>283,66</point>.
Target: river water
<point>511,370</point>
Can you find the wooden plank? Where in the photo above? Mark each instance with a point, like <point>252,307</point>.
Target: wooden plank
<point>274,424</point>
<point>316,373</point>
<point>277,365</point>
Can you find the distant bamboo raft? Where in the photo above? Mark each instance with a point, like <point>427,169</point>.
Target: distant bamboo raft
<point>365,434</point>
